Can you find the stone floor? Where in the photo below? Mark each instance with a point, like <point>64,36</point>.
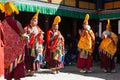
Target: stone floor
<point>72,73</point>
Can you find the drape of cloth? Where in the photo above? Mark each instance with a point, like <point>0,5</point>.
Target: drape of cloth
<point>109,44</point>
<point>107,62</point>
<point>14,50</point>
<point>14,46</point>
<point>48,53</point>
<point>55,45</point>
<point>1,50</point>
<point>84,62</point>
<point>86,42</point>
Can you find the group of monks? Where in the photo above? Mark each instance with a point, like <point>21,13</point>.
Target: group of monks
<point>107,48</point>
<point>21,50</point>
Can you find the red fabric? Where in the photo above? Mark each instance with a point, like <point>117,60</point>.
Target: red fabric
<point>48,39</point>
<point>13,25</point>
<point>55,43</point>
<point>106,62</point>
<point>84,63</point>
<point>40,40</point>
<point>32,40</point>
<point>49,46</point>
<point>1,51</point>
<point>54,63</point>
<point>49,33</point>
<point>14,46</point>
<point>18,72</point>
<point>48,55</point>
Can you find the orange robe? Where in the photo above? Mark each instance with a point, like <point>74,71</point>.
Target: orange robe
<point>109,44</point>
<point>86,42</point>
<point>1,51</point>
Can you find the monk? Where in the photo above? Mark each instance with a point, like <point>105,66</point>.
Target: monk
<point>108,48</point>
<point>86,46</point>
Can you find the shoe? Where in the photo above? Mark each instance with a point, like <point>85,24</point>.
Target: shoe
<point>104,70</point>
<point>89,71</point>
<point>82,71</point>
<point>57,71</point>
<point>113,71</point>
<point>31,73</point>
<point>53,72</point>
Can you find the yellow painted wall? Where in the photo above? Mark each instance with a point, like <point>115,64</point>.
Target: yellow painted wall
<point>86,5</point>
<point>69,2</point>
<point>92,6</point>
<point>83,4</point>
<point>108,5</point>
<point>57,1</point>
<point>117,4</point>
<point>112,5</point>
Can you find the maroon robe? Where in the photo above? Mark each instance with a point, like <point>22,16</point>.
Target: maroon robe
<point>107,62</point>
<point>19,69</point>
<point>83,63</point>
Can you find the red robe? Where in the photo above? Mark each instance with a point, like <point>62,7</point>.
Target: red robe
<point>14,50</point>
<point>52,56</point>
<point>49,46</point>
<point>1,51</point>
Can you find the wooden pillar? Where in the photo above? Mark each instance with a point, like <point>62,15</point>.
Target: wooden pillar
<point>118,26</point>
<point>100,29</point>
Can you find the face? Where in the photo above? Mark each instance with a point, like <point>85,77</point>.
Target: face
<point>55,27</point>
<point>34,22</point>
<point>84,25</point>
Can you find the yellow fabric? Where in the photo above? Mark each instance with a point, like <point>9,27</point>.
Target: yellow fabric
<point>108,45</point>
<point>108,25</point>
<point>57,20</point>
<point>11,67</point>
<point>10,8</point>
<point>36,15</point>
<point>86,42</point>
<point>2,7</point>
<point>86,18</point>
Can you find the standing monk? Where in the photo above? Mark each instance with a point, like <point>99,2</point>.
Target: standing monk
<point>86,45</point>
<point>14,44</point>
<point>34,48</point>
<point>1,46</point>
<point>108,48</point>
<point>55,47</point>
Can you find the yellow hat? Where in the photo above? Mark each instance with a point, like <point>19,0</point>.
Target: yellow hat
<point>36,15</point>
<point>57,20</point>
<point>2,7</point>
<point>108,25</point>
<point>10,8</point>
<point>86,19</point>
